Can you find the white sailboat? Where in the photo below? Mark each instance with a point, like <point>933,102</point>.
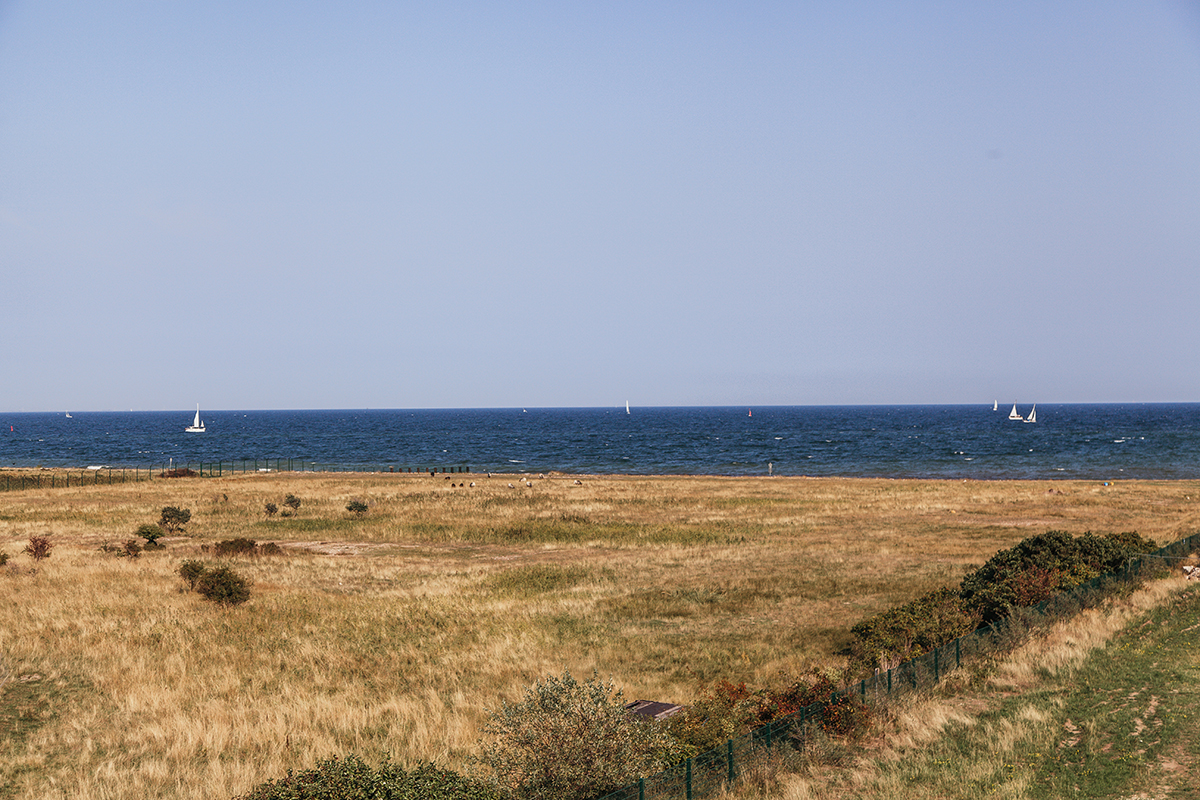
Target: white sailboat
<point>995,405</point>
<point>1032,414</point>
<point>1013,414</point>
<point>197,425</point>
<point>626,406</point>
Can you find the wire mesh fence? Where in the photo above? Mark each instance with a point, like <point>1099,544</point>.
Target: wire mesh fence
<point>707,774</point>
<point>21,479</point>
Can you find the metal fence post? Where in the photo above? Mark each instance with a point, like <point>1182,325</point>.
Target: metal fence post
<point>729,759</point>
<point>689,779</point>
<point>937,673</point>
<point>641,789</point>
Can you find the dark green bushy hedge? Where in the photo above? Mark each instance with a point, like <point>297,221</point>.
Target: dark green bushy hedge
<point>353,779</point>
<point>1034,570</point>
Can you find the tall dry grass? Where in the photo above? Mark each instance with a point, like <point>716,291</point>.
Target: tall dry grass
<point>395,633</point>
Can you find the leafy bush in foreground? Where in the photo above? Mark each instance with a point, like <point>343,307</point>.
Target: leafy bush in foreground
<point>352,779</point>
<point>572,741</point>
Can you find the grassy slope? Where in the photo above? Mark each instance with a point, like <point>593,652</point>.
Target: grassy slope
<point>397,631</point>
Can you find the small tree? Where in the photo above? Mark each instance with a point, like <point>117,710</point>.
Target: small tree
<point>39,547</point>
<point>292,502</point>
<point>191,571</point>
<point>572,741</point>
<point>356,507</point>
<point>271,508</point>
<point>173,519</point>
<point>151,533</point>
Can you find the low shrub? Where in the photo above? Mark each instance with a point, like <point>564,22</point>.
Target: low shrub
<point>727,710</point>
<point>1040,566</point>
<point>270,508</point>
<point>887,639</point>
<point>38,547</point>
<point>131,548</point>
<point>224,586</point>
<point>352,779</point>
<point>270,549</point>
<point>356,507</point>
<point>292,502</point>
<point>236,547</point>
<point>3,559</point>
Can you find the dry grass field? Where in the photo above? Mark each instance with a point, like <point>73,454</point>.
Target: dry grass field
<point>394,633</point>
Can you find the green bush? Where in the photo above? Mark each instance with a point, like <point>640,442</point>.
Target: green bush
<point>151,533</point>
<point>236,547</point>
<point>173,519</point>
<point>357,507</point>
<point>292,502</point>
<point>885,640</point>
<point>1043,565</point>
<point>223,585</point>
<point>352,779</point>
<point>572,741</point>
<point>191,571</point>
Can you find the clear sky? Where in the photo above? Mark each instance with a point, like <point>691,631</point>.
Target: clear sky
<point>273,204</point>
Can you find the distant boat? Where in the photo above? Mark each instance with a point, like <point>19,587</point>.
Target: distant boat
<point>1032,414</point>
<point>995,405</point>
<point>626,406</point>
<point>1013,414</point>
<point>197,426</point>
<point>749,412</point>
<point>69,415</point>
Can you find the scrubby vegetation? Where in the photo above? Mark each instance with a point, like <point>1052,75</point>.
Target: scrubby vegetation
<point>568,740</point>
<point>1031,572</point>
<point>353,779</point>
<point>38,547</point>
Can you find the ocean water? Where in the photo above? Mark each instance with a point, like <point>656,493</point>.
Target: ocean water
<point>1102,442</point>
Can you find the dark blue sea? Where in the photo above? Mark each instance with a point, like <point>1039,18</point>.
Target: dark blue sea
<point>1111,441</point>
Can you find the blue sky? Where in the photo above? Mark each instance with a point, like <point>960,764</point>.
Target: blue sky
<point>403,205</point>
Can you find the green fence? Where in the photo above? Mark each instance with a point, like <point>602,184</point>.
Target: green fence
<point>706,774</point>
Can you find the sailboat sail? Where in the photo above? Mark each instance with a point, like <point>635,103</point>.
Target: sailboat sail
<point>1013,414</point>
<point>1032,414</point>
<point>197,425</point>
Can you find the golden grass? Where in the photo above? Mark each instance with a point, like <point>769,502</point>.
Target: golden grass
<point>396,632</point>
